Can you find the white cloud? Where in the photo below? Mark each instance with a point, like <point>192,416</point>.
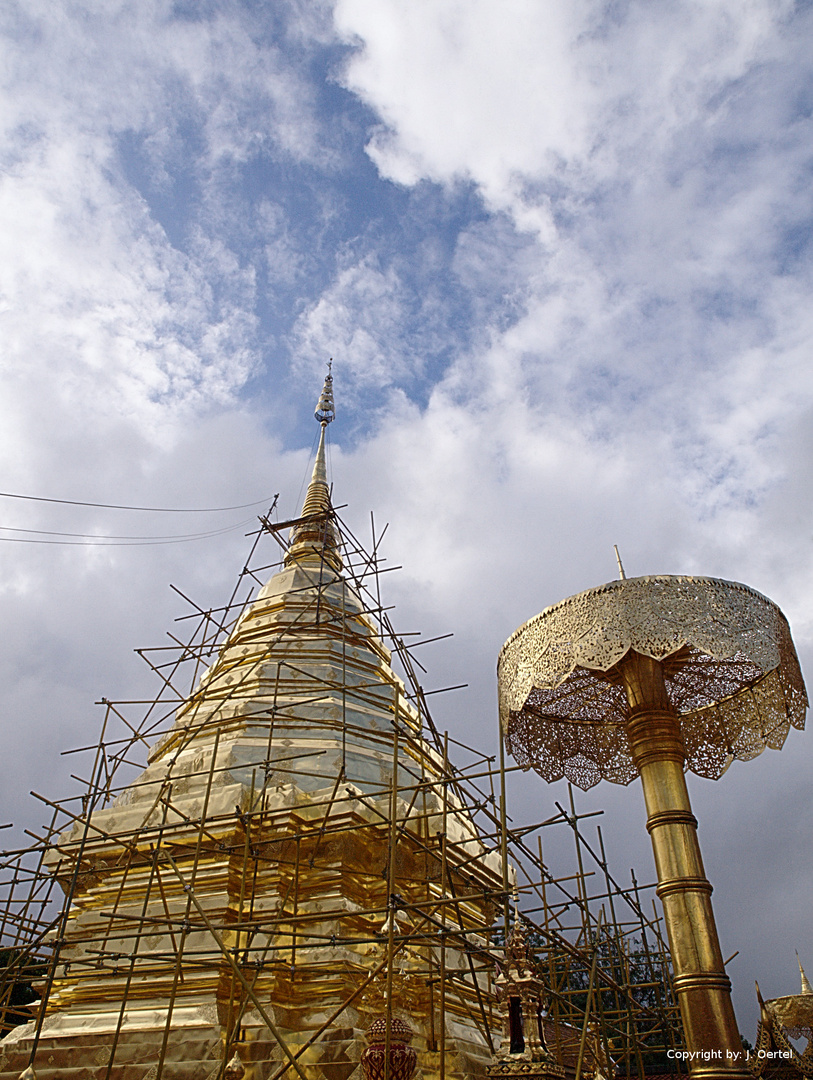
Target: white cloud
<point>108,327</point>
<point>662,196</point>
<point>523,90</point>
<point>101,317</point>
<point>359,317</point>
<point>469,89</point>
<point>144,66</point>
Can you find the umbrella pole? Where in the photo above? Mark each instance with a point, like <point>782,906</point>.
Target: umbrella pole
<point>701,985</point>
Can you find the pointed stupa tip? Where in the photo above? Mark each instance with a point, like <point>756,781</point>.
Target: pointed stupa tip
<point>806,987</point>
<point>316,536</point>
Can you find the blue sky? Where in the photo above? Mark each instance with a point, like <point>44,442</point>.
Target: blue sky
<point>560,252</point>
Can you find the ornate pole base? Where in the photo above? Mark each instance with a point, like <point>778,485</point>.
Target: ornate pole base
<point>403,1058</point>
<point>509,1069</point>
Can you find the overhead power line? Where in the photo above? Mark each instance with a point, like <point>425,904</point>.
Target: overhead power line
<point>111,539</point>
<point>150,509</point>
<point>94,540</point>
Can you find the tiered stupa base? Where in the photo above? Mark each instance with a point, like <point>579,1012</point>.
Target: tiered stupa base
<point>195,1050</point>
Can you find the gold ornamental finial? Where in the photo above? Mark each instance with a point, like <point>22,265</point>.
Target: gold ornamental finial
<point>325,412</point>
<point>235,1070</point>
<point>315,534</point>
<point>806,987</point>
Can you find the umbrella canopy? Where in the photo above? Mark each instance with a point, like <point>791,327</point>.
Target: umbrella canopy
<point>729,663</point>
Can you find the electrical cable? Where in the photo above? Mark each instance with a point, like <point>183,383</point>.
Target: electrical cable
<point>149,509</point>
<point>94,540</point>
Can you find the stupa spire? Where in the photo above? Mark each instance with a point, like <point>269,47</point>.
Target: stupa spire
<point>315,535</point>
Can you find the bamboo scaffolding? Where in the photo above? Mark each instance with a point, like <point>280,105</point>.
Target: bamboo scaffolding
<point>598,968</point>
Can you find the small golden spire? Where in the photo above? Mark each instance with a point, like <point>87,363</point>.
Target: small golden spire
<point>235,1069</point>
<point>316,536</point>
<point>806,987</point>
<point>764,1015</point>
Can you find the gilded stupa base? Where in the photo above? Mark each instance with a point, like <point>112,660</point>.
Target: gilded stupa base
<point>195,1048</point>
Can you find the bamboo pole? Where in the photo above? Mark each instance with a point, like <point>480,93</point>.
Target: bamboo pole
<point>504,840</point>
<point>587,1008</point>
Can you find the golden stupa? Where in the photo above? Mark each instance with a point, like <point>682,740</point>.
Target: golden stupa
<point>293,863</point>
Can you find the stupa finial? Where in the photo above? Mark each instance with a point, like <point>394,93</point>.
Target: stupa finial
<point>315,535</point>
<point>325,412</point>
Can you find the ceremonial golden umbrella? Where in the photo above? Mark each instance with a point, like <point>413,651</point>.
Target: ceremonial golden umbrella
<point>646,677</point>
